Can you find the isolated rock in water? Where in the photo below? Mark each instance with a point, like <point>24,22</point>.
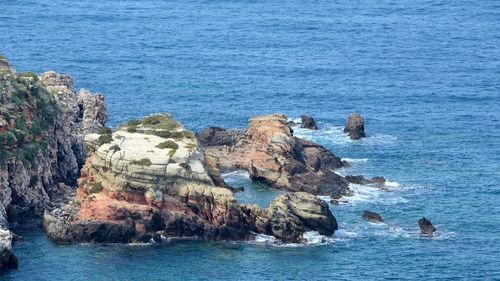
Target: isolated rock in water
<point>355,126</point>
<point>290,215</point>
<point>7,258</point>
<point>308,122</point>
<point>271,154</point>
<point>150,178</point>
<point>372,217</point>
<point>426,227</point>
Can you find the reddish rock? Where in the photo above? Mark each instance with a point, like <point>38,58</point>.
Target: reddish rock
<point>271,154</point>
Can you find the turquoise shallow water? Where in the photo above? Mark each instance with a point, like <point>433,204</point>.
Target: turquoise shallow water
<point>425,74</point>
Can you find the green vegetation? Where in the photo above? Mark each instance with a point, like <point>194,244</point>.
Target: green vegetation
<point>185,166</point>
<point>107,138</point>
<point>105,131</point>
<point>154,122</point>
<point>168,144</point>
<point>142,162</point>
<point>115,148</point>
<point>171,153</point>
<point>30,75</point>
<point>26,104</point>
<point>33,180</point>
<point>190,146</point>
<point>96,187</point>
<point>177,135</point>
<point>7,138</point>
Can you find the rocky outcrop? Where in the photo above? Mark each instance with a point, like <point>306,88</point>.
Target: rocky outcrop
<point>42,129</point>
<point>271,154</point>
<point>290,215</point>
<point>150,179</point>
<point>307,122</point>
<point>426,227</point>
<point>7,258</point>
<point>372,217</point>
<point>355,126</point>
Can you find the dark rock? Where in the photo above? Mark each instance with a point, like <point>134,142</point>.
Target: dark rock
<point>372,217</point>
<point>378,180</point>
<point>290,215</point>
<point>308,122</point>
<point>426,227</point>
<point>291,123</point>
<point>356,179</point>
<point>355,126</point>
<point>215,136</point>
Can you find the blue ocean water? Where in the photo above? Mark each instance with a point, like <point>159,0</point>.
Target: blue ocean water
<point>425,74</point>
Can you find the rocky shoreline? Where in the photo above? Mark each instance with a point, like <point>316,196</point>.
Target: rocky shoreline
<point>151,178</point>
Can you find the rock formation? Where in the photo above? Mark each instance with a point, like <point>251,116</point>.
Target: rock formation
<point>426,227</point>
<point>7,258</point>
<point>308,122</point>
<point>372,217</point>
<point>355,126</point>
<point>42,128</point>
<point>271,154</point>
<point>150,179</point>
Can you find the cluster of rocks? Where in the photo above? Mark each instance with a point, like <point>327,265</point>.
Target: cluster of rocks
<point>151,180</point>
<point>425,225</point>
<point>271,154</point>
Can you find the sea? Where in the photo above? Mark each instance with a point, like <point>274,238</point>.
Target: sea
<point>424,74</point>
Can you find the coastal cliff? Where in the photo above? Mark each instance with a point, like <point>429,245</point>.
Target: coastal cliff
<point>149,179</point>
<point>43,122</point>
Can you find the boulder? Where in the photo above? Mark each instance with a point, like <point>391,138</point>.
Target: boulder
<point>292,214</point>
<point>355,126</point>
<point>372,217</point>
<point>426,227</point>
<point>308,122</point>
<point>7,258</point>
<point>271,154</point>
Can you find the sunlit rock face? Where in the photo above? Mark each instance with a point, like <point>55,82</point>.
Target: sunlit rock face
<point>149,179</point>
<point>271,154</point>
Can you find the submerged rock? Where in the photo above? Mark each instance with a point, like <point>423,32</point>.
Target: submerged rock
<point>308,122</point>
<point>426,227</point>
<point>271,154</point>
<point>372,217</point>
<point>150,178</point>
<point>355,126</point>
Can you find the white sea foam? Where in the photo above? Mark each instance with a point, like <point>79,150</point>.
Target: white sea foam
<point>238,174</point>
<point>367,193</point>
<point>265,239</point>
<point>355,160</point>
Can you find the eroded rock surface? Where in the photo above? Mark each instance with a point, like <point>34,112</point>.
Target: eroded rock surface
<point>372,217</point>
<point>41,139</point>
<point>307,122</point>
<point>42,130</point>
<point>355,126</point>
<point>271,154</point>
<point>426,227</point>
<point>7,258</point>
<point>150,179</point>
